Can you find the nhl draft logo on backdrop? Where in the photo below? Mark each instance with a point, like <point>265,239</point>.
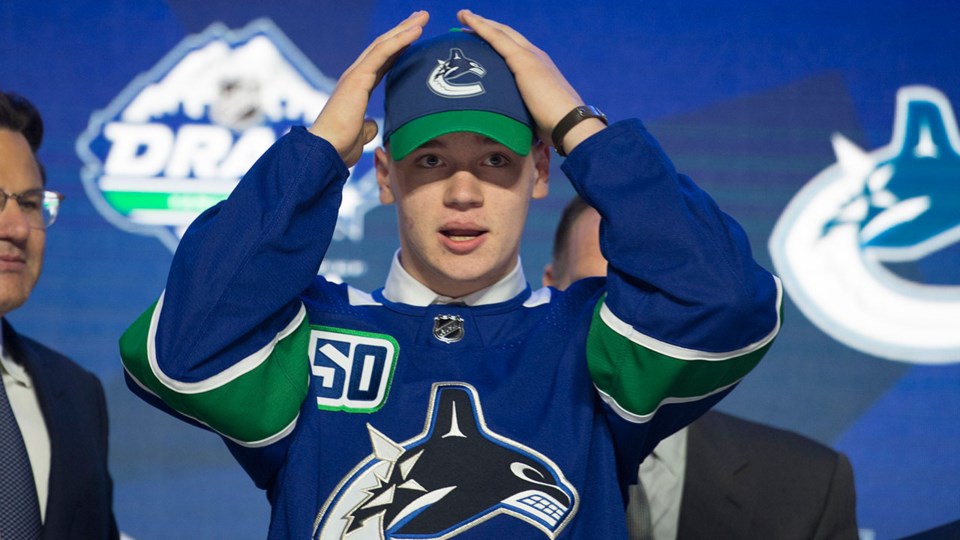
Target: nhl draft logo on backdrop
<point>179,137</point>
<point>450,478</point>
<point>869,249</point>
<point>457,76</point>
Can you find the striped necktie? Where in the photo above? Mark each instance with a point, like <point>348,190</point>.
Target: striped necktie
<point>639,522</point>
<point>19,509</point>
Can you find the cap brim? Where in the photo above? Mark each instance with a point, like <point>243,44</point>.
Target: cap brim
<point>513,134</point>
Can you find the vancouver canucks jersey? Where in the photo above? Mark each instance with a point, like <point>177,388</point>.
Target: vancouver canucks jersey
<point>364,417</point>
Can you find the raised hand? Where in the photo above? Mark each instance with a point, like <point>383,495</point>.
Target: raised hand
<point>545,90</point>
<point>343,122</point>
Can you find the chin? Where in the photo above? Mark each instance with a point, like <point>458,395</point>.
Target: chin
<point>9,304</point>
<point>470,276</point>
<point>12,295</point>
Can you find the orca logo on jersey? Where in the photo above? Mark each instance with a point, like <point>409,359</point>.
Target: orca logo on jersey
<point>444,79</point>
<point>868,249</point>
<point>454,476</point>
<point>352,370</point>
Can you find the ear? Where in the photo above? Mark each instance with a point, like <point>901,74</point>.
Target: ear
<point>548,277</point>
<point>381,162</point>
<point>541,164</point>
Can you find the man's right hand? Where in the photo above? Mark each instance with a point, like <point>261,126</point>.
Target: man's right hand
<point>545,91</point>
<point>342,121</point>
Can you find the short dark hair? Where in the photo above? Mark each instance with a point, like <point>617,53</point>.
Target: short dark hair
<point>20,116</point>
<point>561,239</point>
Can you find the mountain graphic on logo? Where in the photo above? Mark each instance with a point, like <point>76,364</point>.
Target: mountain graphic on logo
<point>180,136</point>
<point>842,243</point>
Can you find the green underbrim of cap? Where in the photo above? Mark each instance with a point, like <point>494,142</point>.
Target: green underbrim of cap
<point>513,134</point>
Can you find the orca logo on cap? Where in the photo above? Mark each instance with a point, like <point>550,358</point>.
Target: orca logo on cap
<point>444,80</point>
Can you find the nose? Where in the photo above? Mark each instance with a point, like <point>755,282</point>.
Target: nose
<point>463,190</point>
<point>13,222</point>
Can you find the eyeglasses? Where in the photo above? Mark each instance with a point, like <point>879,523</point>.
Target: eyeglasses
<point>39,206</point>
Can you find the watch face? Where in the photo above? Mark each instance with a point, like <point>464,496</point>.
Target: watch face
<point>596,113</point>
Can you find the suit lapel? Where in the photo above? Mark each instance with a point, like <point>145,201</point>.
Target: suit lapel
<point>37,365</point>
<point>46,382</point>
<point>718,486</point>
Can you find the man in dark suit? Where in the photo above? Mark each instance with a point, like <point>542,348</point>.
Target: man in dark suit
<point>54,481</point>
<point>748,480</point>
<point>721,477</point>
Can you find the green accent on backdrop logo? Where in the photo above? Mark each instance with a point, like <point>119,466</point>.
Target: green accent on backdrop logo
<point>127,202</point>
<point>179,137</point>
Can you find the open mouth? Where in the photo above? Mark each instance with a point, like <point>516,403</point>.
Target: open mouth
<point>462,235</point>
<point>462,240</point>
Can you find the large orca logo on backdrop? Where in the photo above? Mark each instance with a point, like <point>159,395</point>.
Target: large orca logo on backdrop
<point>840,240</point>
<point>178,138</point>
<point>457,76</point>
<point>450,478</point>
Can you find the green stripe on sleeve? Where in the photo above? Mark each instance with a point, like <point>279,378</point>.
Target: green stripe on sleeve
<point>251,408</point>
<point>638,379</point>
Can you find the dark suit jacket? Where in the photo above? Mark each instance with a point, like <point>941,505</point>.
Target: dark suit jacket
<point>80,496</point>
<point>747,480</point>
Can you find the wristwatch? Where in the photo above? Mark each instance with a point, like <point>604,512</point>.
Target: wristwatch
<point>574,117</point>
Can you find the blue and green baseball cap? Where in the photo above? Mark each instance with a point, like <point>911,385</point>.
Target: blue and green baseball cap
<point>449,83</point>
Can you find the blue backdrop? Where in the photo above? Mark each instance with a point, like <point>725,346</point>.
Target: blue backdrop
<point>747,97</point>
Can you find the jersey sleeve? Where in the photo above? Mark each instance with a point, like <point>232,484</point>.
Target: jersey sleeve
<point>223,346</point>
<point>687,311</point>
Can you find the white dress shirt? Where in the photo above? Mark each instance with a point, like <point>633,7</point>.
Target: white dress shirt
<point>662,474</point>
<point>403,288</point>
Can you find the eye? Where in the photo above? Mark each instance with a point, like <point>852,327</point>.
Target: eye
<point>497,160</point>
<point>429,161</point>
<point>30,204</point>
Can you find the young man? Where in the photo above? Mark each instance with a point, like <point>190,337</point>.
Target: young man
<point>454,401</point>
<point>721,476</point>
<point>54,481</point>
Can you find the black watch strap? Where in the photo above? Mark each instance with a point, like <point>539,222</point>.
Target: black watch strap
<point>574,117</point>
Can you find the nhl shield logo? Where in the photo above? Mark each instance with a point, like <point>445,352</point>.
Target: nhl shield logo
<point>179,137</point>
<point>448,328</point>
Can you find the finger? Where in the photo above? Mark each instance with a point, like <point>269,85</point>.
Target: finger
<point>370,130</point>
<point>392,53</point>
<point>416,19</point>
<point>378,58</point>
<point>483,25</point>
<point>367,133</point>
<point>396,35</point>
<point>341,122</point>
<point>369,68</point>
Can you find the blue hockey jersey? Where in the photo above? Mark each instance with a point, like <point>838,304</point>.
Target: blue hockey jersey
<point>522,417</point>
